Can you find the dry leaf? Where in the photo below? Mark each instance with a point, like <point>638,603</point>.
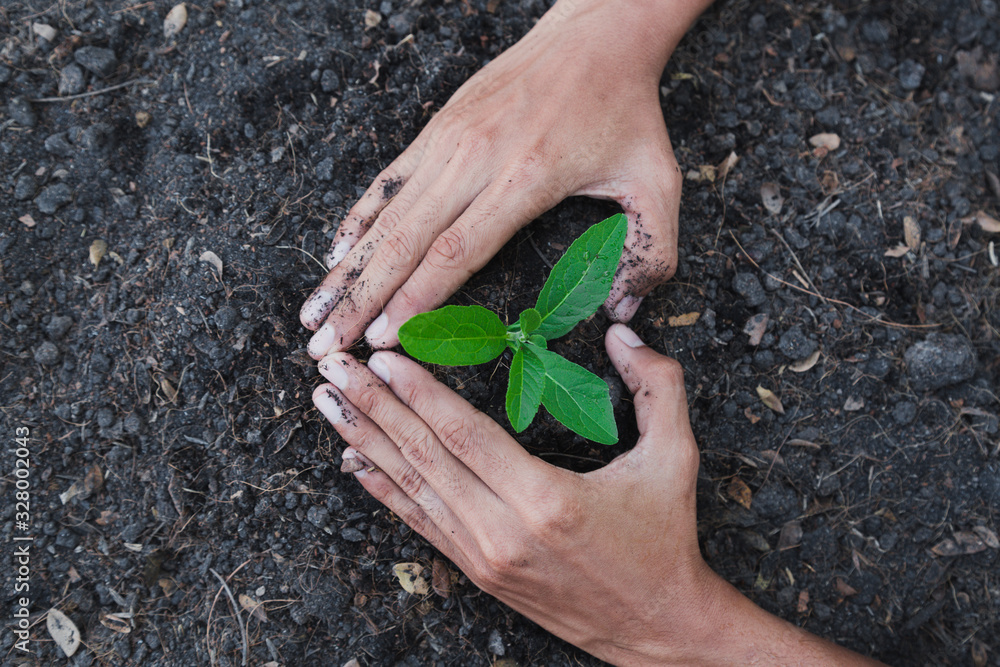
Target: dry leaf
<point>705,173</point>
<point>28,221</point>
<point>142,118</point>
<point>685,320</point>
<point>492,6</point>
<point>44,30</point>
<point>98,249</point>
<point>988,536</point>
<point>409,575</point>
<point>964,543</point>
<point>175,21</point>
<point>441,578</point>
<point>911,232</point>
<point>827,140</point>
<point>751,416</point>
<point>755,328</point>
<point>353,662</point>
<point>253,607</point>
<point>799,442</point>
<point>168,389</point>
<point>770,399</point>
<point>791,535</point>
<point>853,404</point>
<point>115,622</point>
<point>770,194</point>
<point>845,588</point>
<point>805,364</point>
<point>803,605</point>
<point>898,251</point>
<point>91,483</point>
<point>986,222</point>
<point>979,653</point>
<point>727,165</point>
<point>372,18</point>
<point>740,492</point>
<point>213,259</point>
<point>63,631</point>
<point>994,182</point>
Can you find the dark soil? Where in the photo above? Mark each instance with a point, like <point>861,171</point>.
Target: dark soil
<point>177,399</point>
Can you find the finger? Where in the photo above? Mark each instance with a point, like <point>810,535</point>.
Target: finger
<point>421,509</point>
<point>400,252</point>
<point>432,465</point>
<point>656,381</point>
<point>649,257</point>
<point>461,250</point>
<point>471,436</point>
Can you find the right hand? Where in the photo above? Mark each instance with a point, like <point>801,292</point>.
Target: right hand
<point>571,109</point>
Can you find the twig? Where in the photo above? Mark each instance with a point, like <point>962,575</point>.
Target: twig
<point>531,240</point>
<point>292,247</point>
<point>92,92</point>
<point>805,274</point>
<point>236,610</point>
<point>872,318</point>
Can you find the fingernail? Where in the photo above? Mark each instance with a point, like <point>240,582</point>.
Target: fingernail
<point>377,328</point>
<point>378,366</point>
<point>322,340</point>
<point>626,308</point>
<point>627,336</point>
<point>329,406</point>
<point>334,371</point>
<point>317,306</point>
<point>337,253</point>
<point>356,462</point>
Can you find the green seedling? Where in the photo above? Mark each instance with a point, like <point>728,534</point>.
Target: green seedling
<point>578,285</point>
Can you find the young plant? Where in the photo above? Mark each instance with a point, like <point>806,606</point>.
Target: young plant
<point>578,285</point>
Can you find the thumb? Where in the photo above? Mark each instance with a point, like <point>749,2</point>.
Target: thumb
<point>650,254</point>
<point>656,382</point>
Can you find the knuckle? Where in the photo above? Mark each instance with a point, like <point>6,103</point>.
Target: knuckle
<point>410,482</point>
<point>668,372</point>
<point>475,142</point>
<point>556,515</point>
<point>401,246</point>
<point>449,251</point>
<point>417,446</point>
<point>462,436</point>
<point>367,400</point>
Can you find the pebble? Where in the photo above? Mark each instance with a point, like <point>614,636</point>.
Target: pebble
<point>806,97</point>
<point>495,643</point>
<point>47,354</point>
<point>53,198</point>
<point>25,187</point>
<point>795,345</point>
<point>226,318</point>
<point>329,81</point>
<point>318,516</point>
<point>324,170</point>
<point>911,73</point>
<point>20,111</point>
<point>904,413</point>
<point>58,144</point>
<point>748,286</point>
<point>940,360</point>
<point>58,326</point>
<point>403,23</point>
<point>352,535</point>
<point>71,80</point>
<point>100,61</point>
<point>5,74</point>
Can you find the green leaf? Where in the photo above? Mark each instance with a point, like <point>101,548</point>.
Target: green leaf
<point>524,390</point>
<point>578,398</point>
<point>529,321</point>
<point>581,279</point>
<point>454,335</point>
<point>538,341</point>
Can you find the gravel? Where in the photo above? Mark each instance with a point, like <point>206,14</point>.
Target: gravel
<point>53,198</point>
<point>71,80</point>
<point>100,61</point>
<point>20,111</point>
<point>940,360</point>
<point>748,286</point>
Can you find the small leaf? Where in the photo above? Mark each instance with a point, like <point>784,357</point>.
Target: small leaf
<point>727,165</point>
<point>98,249</point>
<point>845,588</point>
<point>524,389</point>
<point>581,279</point>
<point>213,259</point>
<point>755,328</point>
<point>578,399</point>
<point>685,320</point>
<point>411,578</point>
<point>770,194</point>
<point>803,605</point>
<point>27,220</point>
<point>740,492</point>
<point>44,30</point>
<point>911,233</point>
<point>987,222</point>
<point>538,341</point>
<point>372,18</point>
<point>791,535</point>
<point>770,399</point>
<point>441,578</point>
<point>805,364</point>
<point>898,251</point>
<point>529,321</point>
<point>63,631</point>
<point>988,537</point>
<point>853,404</point>
<point>253,607</point>
<point>454,335</point>
<point>175,21</point>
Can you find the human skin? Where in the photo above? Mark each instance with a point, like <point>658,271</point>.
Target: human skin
<point>607,560</point>
<point>572,109</point>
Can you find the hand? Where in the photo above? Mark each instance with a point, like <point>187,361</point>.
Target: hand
<point>571,109</point>
<point>607,560</point>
